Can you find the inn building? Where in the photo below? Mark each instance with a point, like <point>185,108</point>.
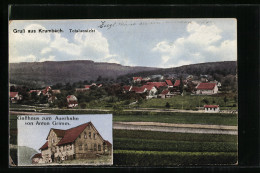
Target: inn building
<point>83,141</point>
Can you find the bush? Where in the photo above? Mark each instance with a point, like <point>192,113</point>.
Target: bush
<point>167,105</point>
<point>83,105</point>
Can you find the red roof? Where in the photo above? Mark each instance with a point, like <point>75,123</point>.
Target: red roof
<point>72,134</point>
<point>45,146</point>
<point>38,155</point>
<point>13,94</point>
<point>136,78</point>
<point>206,86</point>
<point>211,106</point>
<point>164,92</point>
<point>157,84</point>
<point>177,83</point>
<point>148,87</point>
<point>138,89</point>
<point>169,82</point>
<point>87,86</point>
<point>126,87</point>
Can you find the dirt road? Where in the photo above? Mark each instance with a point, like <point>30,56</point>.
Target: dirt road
<point>180,128</point>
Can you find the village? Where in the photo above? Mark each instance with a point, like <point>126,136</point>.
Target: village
<point>137,92</point>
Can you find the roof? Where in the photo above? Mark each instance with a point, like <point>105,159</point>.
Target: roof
<point>38,155</point>
<point>206,86</point>
<point>87,86</point>
<point>136,78</point>
<point>169,82</point>
<point>107,143</point>
<point>138,89</point>
<point>126,87</point>
<point>157,84</point>
<point>164,92</point>
<point>59,132</point>
<point>45,146</point>
<point>56,91</point>
<point>211,106</point>
<point>13,94</point>
<point>148,87</point>
<point>72,134</point>
<point>177,83</point>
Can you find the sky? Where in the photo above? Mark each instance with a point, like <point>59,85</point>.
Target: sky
<point>132,42</point>
<point>34,136</point>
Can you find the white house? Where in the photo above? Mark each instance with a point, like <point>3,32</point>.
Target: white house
<point>207,88</point>
<point>14,97</point>
<point>211,108</point>
<point>152,91</point>
<point>72,101</point>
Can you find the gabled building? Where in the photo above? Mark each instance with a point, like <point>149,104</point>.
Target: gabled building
<point>151,91</point>
<point>157,84</point>
<point>165,94</point>
<point>207,88</point>
<point>138,90</point>
<point>169,83</point>
<point>137,79</point>
<point>211,108</point>
<point>81,142</point>
<point>14,97</point>
<point>72,101</point>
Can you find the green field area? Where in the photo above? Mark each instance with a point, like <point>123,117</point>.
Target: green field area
<point>192,102</point>
<point>146,148</point>
<point>181,118</point>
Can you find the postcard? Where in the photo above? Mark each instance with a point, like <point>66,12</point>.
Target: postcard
<point>170,84</point>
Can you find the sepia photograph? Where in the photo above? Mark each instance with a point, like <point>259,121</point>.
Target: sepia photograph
<point>170,85</point>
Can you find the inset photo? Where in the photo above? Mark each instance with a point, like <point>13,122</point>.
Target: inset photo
<point>65,140</point>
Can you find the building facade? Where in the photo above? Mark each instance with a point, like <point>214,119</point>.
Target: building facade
<point>83,141</point>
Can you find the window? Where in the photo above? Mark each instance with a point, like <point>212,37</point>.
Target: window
<point>85,135</point>
<point>64,148</point>
<point>95,147</point>
<point>79,136</point>
<point>89,134</point>
<point>99,147</point>
<point>80,146</point>
<point>86,146</point>
<point>89,127</point>
<point>94,135</point>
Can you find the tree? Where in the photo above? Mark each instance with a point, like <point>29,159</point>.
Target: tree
<point>205,101</point>
<point>83,105</point>
<point>225,100</point>
<point>167,105</point>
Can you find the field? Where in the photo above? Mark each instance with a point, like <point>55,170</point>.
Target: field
<point>145,148</point>
<point>192,102</point>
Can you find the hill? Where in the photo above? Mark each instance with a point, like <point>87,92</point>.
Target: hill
<point>52,72</point>
<point>223,68</point>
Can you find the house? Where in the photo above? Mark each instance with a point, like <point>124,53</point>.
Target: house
<point>38,92</point>
<point>151,91</point>
<point>211,108</point>
<point>137,79</point>
<point>87,86</point>
<point>169,83</point>
<point>165,94</point>
<point>138,90</point>
<point>177,83</point>
<point>46,91</point>
<point>157,84</point>
<point>14,97</point>
<point>207,88</point>
<point>126,88</point>
<point>72,101</point>
<point>80,142</point>
<point>37,158</point>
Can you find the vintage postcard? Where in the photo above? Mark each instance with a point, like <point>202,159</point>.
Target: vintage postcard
<point>170,84</point>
